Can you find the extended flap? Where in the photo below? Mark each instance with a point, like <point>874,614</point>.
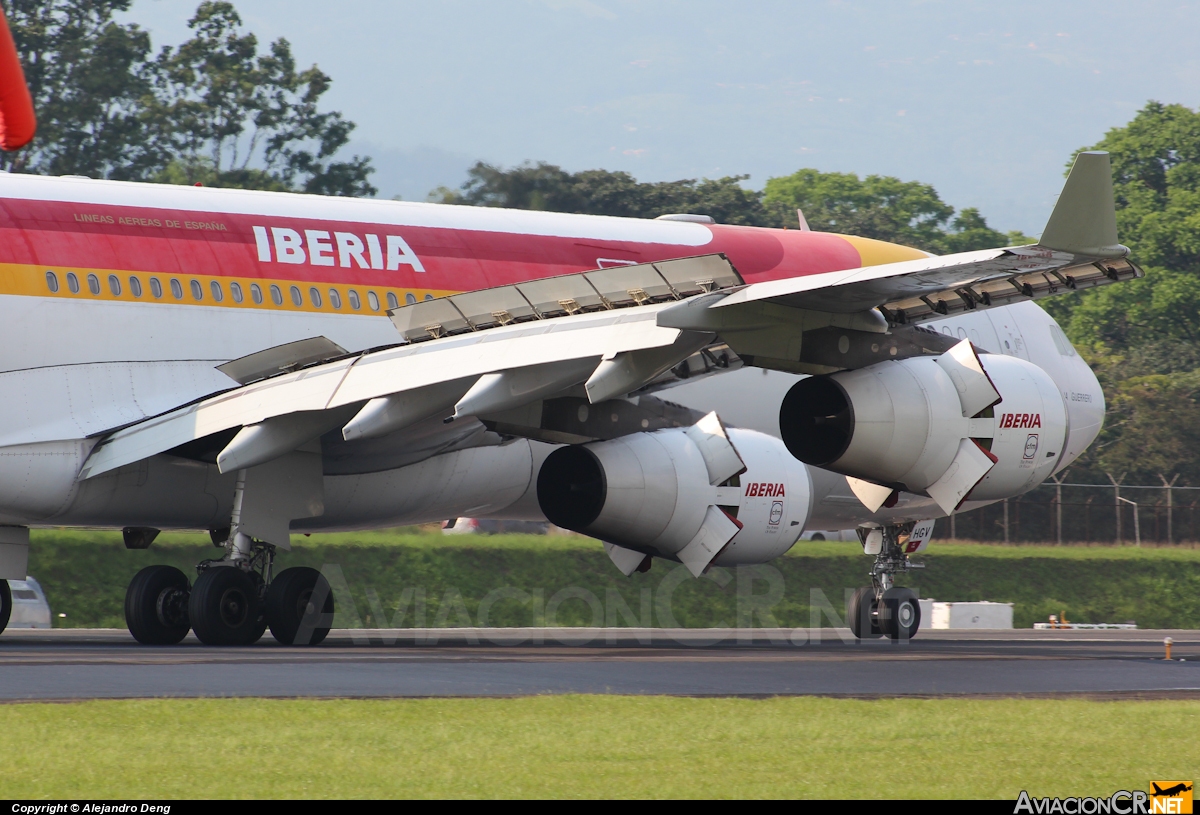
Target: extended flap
<point>720,456</point>
<point>970,465</point>
<point>975,389</point>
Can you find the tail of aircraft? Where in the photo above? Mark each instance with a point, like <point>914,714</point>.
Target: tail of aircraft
<point>17,120</point>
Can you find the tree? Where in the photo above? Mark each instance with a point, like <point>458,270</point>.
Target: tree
<point>1152,423</point>
<point>879,207</point>
<point>545,186</point>
<point>1156,181</point>
<point>223,107</point>
<point>212,110</point>
<point>969,231</point>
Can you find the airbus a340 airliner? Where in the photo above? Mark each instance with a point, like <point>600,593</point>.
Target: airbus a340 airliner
<point>254,363</point>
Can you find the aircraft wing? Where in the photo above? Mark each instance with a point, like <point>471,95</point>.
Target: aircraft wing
<point>1077,250</point>
<point>918,290</point>
<point>466,356</point>
<point>602,335</point>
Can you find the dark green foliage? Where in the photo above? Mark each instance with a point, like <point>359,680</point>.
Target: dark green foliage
<point>212,110</point>
<point>1156,175</point>
<point>1143,337</point>
<point>545,186</point>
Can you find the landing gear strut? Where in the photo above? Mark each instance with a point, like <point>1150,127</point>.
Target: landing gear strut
<point>234,598</point>
<point>226,605</point>
<point>883,608</point>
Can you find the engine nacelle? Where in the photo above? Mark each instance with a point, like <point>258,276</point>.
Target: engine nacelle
<point>942,426</point>
<point>653,493</point>
<point>1029,429</point>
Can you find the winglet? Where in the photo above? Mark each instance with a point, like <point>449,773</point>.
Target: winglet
<point>1084,221</point>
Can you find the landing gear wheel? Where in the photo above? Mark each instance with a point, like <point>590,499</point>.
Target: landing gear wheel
<point>224,607</point>
<point>156,605</point>
<point>292,612</point>
<point>899,613</point>
<point>5,604</point>
<point>861,614</point>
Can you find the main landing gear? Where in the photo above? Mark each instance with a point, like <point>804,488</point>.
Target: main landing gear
<point>232,602</point>
<point>884,609</point>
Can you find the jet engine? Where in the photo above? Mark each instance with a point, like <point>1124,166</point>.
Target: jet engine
<point>947,426</point>
<point>699,495</point>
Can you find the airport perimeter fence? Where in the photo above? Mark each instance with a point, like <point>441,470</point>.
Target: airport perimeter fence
<point>1067,512</point>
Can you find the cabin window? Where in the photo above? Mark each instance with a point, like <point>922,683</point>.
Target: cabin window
<point>276,295</point>
<point>155,287</point>
<point>410,299</point>
<point>315,297</point>
<point>355,303</point>
<point>256,294</point>
<point>235,291</point>
<point>297,299</point>
<point>393,301</point>
<point>114,285</point>
<point>218,293</point>
<point>72,283</point>
<point>335,299</point>
<point>176,288</point>
<point>93,284</point>
<point>373,301</point>
<point>430,297</point>
<point>52,281</point>
<point>135,286</point>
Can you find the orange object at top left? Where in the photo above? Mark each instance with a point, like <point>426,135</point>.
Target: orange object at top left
<point>17,120</point>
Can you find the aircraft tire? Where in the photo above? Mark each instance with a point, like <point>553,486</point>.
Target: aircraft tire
<point>293,618</point>
<point>899,613</point>
<point>156,605</point>
<point>224,607</point>
<point>5,604</point>
<point>859,613</point>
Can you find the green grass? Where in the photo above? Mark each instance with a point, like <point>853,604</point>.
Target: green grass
<point>443,580</point>
<point>594,746</point>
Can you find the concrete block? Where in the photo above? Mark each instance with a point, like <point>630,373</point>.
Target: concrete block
<point>966,615</point>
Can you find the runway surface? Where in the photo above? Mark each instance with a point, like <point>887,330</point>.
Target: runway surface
<point>80,664</point>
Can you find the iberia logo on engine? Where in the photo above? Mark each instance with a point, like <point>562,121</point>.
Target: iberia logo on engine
<point>763,489</point>
<point>1021,420</point>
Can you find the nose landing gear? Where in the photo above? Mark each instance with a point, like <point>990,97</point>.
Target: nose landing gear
<point>884,609</point>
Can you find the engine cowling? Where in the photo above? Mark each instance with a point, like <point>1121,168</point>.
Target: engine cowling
<point>658,494</point>
<point>946,426</point>
<point>1029,429</point>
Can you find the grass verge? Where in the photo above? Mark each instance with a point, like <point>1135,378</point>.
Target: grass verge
<point>593,746</point>
<point>403,578</point>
